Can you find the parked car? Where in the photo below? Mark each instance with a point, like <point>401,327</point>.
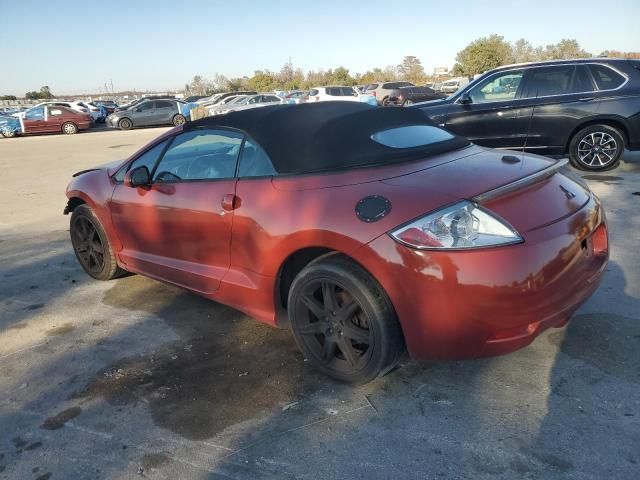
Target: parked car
<point>406,96</point>
<point>362,239</point>
<point>296,96</point>
<point>142,99</point>
<point>47,119</point>
<point>383,90</point>
<point>223,98</point>
<point>73,105</point>
<point>194,98</point>
<point>588,109</point>
<point>333,93</point>
<point>453,85</point>
<point>148,113</point>
<point>244,102</point>
<point>109,105</point>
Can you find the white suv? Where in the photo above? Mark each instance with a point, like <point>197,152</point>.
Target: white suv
<point>343,94</point>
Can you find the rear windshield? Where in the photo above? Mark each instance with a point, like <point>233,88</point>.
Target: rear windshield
<point>411,136</point>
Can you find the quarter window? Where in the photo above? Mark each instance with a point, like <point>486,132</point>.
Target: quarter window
<point>500,88</point>
<point>254,162</point>
<point>200,155</point>
<point>606,79</point>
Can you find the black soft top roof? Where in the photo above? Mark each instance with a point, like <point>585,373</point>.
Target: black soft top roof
<point>324,136</point>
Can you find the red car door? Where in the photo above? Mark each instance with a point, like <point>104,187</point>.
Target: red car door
<point>34,120</point>
<point>178,229</point>
<point>55,119</point>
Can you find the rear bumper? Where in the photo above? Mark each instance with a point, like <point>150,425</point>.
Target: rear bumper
<point>458,305</point>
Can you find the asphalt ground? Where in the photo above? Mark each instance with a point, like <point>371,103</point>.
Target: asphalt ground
<point>135,379</point>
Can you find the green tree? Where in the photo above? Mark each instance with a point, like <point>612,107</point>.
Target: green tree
<point>483,54</point>
<point>262,81</point>
<point>411,70</point>
<point>45,93</point>
<point>522,51</point>
<point>8,97</point>
<point>565,49</point>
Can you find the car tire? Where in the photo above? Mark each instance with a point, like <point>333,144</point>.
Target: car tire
<point>596,147</point>
<point>407,103</point>
<point>90,244</point>
<point>179,120</point>
<point>8,133</point>
<point>344,322</point>
<point>69,128</point>
<point>125,124</point>
<point>385,102</point>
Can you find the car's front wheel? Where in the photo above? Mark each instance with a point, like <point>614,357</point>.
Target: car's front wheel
<point>596,147</point>
<point>343,321</point>
<point>407,103</point>
<point>125,124</point>
<point>69,128</point>
<point>8,132</point>
<point>91,246</point>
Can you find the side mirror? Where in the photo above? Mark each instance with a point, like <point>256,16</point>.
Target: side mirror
<point>465,99</point>
<point>138,177</point>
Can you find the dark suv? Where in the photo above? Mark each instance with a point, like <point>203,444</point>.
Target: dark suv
<point>406,96</point>
<point>588,108</point>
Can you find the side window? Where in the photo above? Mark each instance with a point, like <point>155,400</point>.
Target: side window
<point>606,79</point>
<point>548,81</point>
<point>147,159</point>
<point>500,88</point>
<point>146,106</point>
<point>54,112</point>
<point>163,104</point>
<point>35,114</point>
<point>334,92</point>
<point>200,155</point>
<point>348,92</point>
<point>253,100</point>
<point>254,161</point>
<point>582,80</point>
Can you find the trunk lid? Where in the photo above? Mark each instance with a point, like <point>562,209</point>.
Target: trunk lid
<point>530,207</point>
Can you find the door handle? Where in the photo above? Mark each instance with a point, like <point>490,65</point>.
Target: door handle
<point>230,202</point>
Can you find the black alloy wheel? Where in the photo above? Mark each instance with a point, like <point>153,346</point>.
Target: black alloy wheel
<point>88,245</point>
<point>343,321</point>
<point>91,246</point>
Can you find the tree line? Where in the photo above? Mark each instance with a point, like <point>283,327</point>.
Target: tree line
<point>479,56</point>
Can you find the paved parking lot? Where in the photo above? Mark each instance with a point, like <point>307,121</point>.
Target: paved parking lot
<point>135,379</point>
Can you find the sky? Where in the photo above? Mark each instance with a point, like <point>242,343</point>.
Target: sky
<point>76,46</point>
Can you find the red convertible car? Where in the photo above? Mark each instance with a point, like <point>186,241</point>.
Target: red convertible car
<point>368,231</point>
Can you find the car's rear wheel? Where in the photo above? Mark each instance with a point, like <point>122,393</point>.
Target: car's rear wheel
<point>179,120</point>
<point>91,246</point>
<point>343,321</point>
<point>125,124</point>
<point>8,133</point>
<point>69,128</point>
<point>386,102</point>
<point>407,103</point>
<point>596,147</point>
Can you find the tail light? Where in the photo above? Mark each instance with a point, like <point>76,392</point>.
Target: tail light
<point>600,239</point>
<point>373,92</point>
<point>459,226</point>
<point>317,99</point>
